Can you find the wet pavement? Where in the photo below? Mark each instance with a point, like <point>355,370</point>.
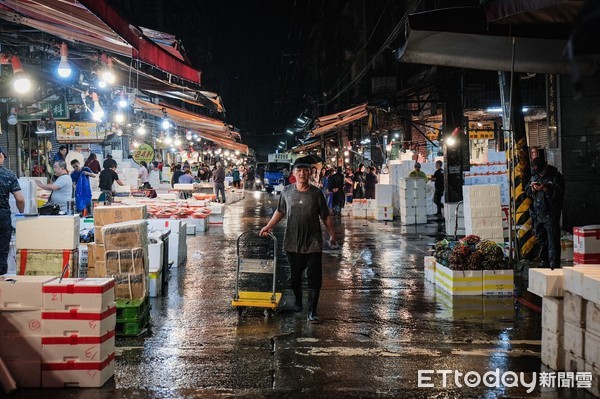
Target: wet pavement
<point>382,323</point>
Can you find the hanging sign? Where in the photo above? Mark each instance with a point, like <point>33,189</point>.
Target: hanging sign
<point>54,105</point>
<point>143,153</point>
<point>485,131</point>
<point>79,132</point>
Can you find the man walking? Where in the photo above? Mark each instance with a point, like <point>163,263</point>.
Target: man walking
<point>219,180</point>
<point>438,179</point>
<point>8,184</point>
<point>302,205</point>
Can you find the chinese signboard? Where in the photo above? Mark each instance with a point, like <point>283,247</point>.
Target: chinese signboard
<point>143,153</point>
<point>551,109</point>
<point>481,130</point>
<point>79,132</point>
<point>54,106</point>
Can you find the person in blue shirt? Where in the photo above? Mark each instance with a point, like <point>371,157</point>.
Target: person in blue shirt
<point>61,154</point>
<point>84,194</point>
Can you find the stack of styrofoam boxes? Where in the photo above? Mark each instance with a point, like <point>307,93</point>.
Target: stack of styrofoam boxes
<point>46,243</point>
<point>413,209</point>
<point>383,202</point>
<point>360,208</point>
<point>452,212</point>
<point>582,321</point>
<point>78,342</point>
<point>126,258</point>
<point>21,307</point>
<point>429,267</point>
<point>154,178</point>
<point>155,265</point>
<point>395,174</point>
<point>217,214</point>
<point>177,239</point>
<point>483,212</point>
<point>549,284</point>
<point>586,244</point>
<point>200,224</point>
<point>129,177</point>
<point>28,190</point>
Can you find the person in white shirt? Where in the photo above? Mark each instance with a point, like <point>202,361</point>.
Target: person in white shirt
<point>143,175</point>
<point>62,188</point>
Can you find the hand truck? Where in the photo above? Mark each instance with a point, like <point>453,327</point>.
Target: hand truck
<point>269,300</point>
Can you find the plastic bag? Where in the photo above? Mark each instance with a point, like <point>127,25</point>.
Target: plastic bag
<point>83,193</point>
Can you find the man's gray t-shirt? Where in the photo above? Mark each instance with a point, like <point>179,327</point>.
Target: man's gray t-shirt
<point>302,210</point>
<point>64,194</point>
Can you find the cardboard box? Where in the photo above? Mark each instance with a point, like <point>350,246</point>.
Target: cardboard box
<point>84,324</point>
<point>552,315</point>
<point>90,294</point>
<point>586,239</point>
<point>553,354</point>
<point>498,282</point>
<point>22,292</point>
<point>592,349</point>
<point>574,339</point>
<point>592,317</point>
<point>24,323</point>
<point>126,261</point>
<point>126,235</point>
<point>546,282</point>
<point>574,309</point>
<point>78,374</point>
<point>130,286</point>
<point>36,232</point>
<point>463,282</point>
<point>47,262</point>
<point>104,215</point>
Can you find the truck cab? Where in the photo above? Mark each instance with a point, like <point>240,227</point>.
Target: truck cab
<point>274,174</point>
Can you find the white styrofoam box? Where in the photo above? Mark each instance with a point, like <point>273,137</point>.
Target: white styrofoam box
<point>481,191</point>
<point>552,315</point>
<point>574,277</point>
<point>183,186</point>
<point>155,285</point>
<point>155,256</point>
<point>26,322</point>
<point>32,232</point>
<point>384,216</point>
<point>498,282</point>
<point>592,317</point>
<point>586,239</point>
<point>371,205</point>
<point>429,268</point>
<point>177,247</point>
<point>216,219</point>
<point>546,282</point>
<point>483,202</point>
<point>200,223</point>
<point>360,205</point>
<point>412,183</point>
<point>171,224</point>
<point>411,220</point>
<point>574,338</point>
<point>591,287</point>
<point>90,294</point>
<point>487,212</point>
<point>574,309</point>
<point>190,229</point>
<point>167,196</point>
<point>77,348</point>
<point>78,374</point>
<point>22,292</point>
<point>21,348</point>
<point>592,349</point>
<point>553,354</point>
<point>493,233</point>
<point>384,179</point>
<point>450,210</point>
<point>90,324</point>
<point>459,282</point>
<point>412,203</point>
<point>383,194</point>
<point>573,363</point>
<point>217,209</point>
<point>27,374</point>
<point>483,223</point>
<point>595,379</point>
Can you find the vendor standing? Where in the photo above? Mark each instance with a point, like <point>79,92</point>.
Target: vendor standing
<point>8,184</point>
<point>62,188</point>
<point>107,177</point>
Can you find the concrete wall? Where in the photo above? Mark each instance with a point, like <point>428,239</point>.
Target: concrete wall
<point>580,152</point>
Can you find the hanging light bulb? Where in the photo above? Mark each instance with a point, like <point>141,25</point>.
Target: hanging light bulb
<point>177,141</point>
<point>119,117</point>
<point>22,84</point>
<point>136,144</point>
<point>108,75</point>
<point>97,110</point>
<point>64,68</point>
<point>141,130</point>
<point>122,100</point>
<point>168,140</point>
<point>12,118</point>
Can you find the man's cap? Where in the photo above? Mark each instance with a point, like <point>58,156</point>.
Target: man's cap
<point>537,165</point>
<point>307,161</point>
<point>2,151</point>
<point>417,165</point>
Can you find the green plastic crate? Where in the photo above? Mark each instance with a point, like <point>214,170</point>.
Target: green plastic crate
<point>132,310</point>
<point>134,328</point>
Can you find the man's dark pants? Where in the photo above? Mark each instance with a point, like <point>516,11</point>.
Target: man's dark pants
<point>547,234</point>
<point>314,276</point>
<point>6,231</point>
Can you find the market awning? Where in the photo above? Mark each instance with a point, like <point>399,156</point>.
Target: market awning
<point>306,147</point>
<point>208,128</point>
<point>96,23</point>
<point>333,121</point>
<point>464,38</point>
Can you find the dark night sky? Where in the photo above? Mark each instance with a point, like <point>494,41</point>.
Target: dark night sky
<point>254,54</point>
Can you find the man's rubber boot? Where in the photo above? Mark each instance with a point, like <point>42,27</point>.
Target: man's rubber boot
<point>313,300</point>
<point>298,300</point>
